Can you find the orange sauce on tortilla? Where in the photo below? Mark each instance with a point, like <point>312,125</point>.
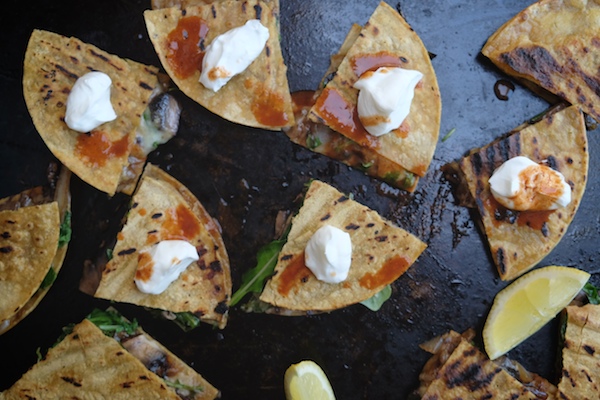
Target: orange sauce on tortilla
<point>390,271</point>
<point>144,267</point>
<point>268,108</point>
<point>95,148</point>
<point>370,62</point>
<point>184,54</point>
<point>180,223</point>
<point>500,214</point>
<point>342,117</point>
<point>403,130</point>
<point>302,99</point>
<point>295,271</point>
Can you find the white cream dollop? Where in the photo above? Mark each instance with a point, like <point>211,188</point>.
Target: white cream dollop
<point>88,103</point>
<point>231,53</point>
<point>328,254</point>
<point>384,98</point>
<point>162,263</point>
<point>522,184</point>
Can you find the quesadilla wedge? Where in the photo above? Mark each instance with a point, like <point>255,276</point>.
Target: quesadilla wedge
<point>580,354</point>
<point>36,228</point>
<point>518,240</point>
<point>555,45</point>
<point>110,157</point>
<point>257,97</point>
<point>381,253</point>
<point>106,356</point>
<point>320,138</point>
<point>163,209</point>
<point>459,370</point>
<point>386,40</point>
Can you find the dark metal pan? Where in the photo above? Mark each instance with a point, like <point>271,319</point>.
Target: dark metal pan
<point>245,176</point>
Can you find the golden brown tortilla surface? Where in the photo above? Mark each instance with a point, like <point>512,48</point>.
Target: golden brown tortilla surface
<point>162,209</point>
<point>52,65</point>
<point>385,40</point>
<point>556,45</point>
<point>28,244</point>
<point>257,97</point>
<point>89,365</point>
<point>381,253</point>
<point>25,273</point>
<point>581,354</point>
<point>519,240</point>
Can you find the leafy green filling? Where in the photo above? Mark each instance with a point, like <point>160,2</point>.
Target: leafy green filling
<point>374,303</point>
<point>112,323</point>
<point>312,142</point>
<point>48,279</point>
<point>253,281</point>
<point>591,292</point>
<point>181,386</point>
<point>65,230</point>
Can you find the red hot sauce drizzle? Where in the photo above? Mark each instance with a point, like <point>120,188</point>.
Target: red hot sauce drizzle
<point>180,224</point>
<point>293,274</point>
<point>96,149</point>
<point>390,271</point>
<point>341,116</point>
<point>268,108</point>
<point>499,214</point>
<point>184,46</point>
<point>371,62</point>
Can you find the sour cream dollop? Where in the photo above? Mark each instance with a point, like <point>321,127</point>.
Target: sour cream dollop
<point>522,184</point>
<point>328,254</point>
<point>231,53</point>
<point>384,98</point>
<point>88,104</point>
<point>161,264</point>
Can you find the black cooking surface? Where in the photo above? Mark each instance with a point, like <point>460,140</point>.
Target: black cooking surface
<point>245,176</point>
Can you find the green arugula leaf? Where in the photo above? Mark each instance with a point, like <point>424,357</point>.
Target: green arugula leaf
<point>48,279</point>
<point>591,292</point>
<point>253,280</point>
<point>374,303</point>
<point>111,322</point>
<point>178,385</point>
<point>313,141</point>
<point>186,321</point>
<point>65,230</point>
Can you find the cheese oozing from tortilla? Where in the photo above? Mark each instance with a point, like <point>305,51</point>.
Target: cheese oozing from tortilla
<point>384,98</point>
<point>328,254</point>
<point>88,103</point>
<point>231,53</point>
<point>522,184</point>
<point>162,263</point>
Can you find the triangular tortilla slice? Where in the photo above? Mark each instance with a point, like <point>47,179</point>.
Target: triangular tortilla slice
<point>101,158</point>
<point>581,354</point>
<point>162,208</point>
<point>554,44</point>
<point>459,370</point>
<point>87,364</point>
<point>31,254</point>
<point>519,240</point>
<point>386,40</point>
<point>322,139</point>
<point>381,253</point>
<point>257,97</point>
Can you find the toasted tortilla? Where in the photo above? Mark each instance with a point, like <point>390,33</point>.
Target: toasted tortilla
<point>101,157</point>
<point>31,224</point>
<point>322,139</point>
<point>554,44</point>
<point>581,354</point>
<point>519,240</point>
<point>381,253</point>
<point>257,97</point>
<point>459,370</point>
<point>386,40</point>
<point>87,364</point>
<point>163,208</point>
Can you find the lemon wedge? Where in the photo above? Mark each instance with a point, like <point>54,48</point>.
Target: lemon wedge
<point>527,304</point>
<point>307,381</point>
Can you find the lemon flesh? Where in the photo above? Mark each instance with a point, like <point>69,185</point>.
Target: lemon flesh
<point>307,381</point>
<point>527,304</point>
